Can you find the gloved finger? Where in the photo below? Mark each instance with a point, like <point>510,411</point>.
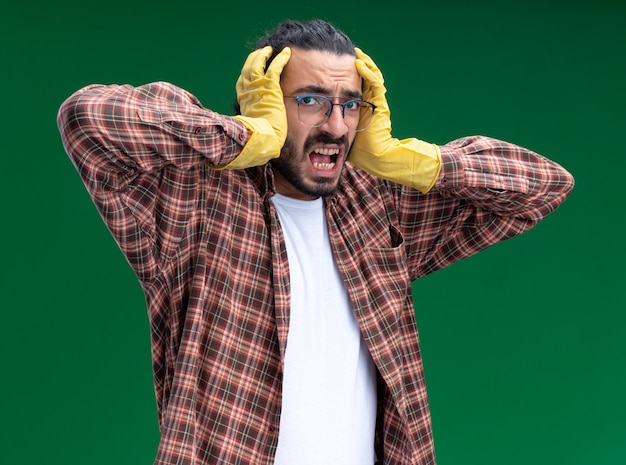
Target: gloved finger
<point>365,72</point>
<point>372,86</point>
<point>373,82</point>
<point>369,63</point>
<point>278,64</point>
<point>253,67</point>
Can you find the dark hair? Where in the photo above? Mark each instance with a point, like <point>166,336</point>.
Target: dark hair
<point>314,34</point>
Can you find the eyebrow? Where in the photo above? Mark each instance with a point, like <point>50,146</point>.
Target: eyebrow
<point>315,89</point>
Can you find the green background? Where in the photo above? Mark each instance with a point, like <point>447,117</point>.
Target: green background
<point>523,344</point>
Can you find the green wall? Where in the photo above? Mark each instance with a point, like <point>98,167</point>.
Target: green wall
<point>523,344</point>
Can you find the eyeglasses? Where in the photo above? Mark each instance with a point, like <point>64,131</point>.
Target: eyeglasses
<point>314,110</point>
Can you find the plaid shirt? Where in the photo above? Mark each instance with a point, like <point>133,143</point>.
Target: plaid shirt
<point>207,247</point>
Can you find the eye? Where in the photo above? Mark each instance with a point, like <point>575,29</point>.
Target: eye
<point>352,105</point>
<point>311,100</point>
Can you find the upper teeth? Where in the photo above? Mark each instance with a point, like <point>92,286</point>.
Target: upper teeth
<point>324,151</point>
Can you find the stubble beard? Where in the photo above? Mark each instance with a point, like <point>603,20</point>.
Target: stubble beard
<point>291,162</point>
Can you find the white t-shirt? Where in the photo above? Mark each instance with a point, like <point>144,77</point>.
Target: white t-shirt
<point>329,387</point>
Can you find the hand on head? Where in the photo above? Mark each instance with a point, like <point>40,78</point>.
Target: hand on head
<point>258,90</point>
<point>411,161</point>
<point>262,108</point>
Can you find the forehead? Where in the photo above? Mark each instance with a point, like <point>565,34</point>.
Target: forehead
<point>336,74</point>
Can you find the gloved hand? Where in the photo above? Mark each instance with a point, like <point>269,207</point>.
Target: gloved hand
<point>411,162</point>
<point>262,107</point>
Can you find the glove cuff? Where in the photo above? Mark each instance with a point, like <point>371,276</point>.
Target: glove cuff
<point>262,146</point>
<point>410,162</point>
<point>426,164</point>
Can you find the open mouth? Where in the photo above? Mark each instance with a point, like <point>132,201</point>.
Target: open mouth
<point>324,159</point>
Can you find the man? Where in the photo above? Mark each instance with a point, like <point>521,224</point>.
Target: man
<point>276,248</point>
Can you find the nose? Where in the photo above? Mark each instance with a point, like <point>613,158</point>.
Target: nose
<point>335,125</point>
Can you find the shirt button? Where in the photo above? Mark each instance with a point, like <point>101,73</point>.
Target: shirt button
<point>242,136</point>
<point>198,130</point>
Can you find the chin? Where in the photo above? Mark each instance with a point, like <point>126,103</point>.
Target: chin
<point>325,188</point>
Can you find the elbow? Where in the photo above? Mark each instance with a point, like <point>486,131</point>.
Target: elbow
<point>552,199</point>
<point>75,118</point>
<point>70,119</point>
<point>568,183</point>
<point>562,185</point>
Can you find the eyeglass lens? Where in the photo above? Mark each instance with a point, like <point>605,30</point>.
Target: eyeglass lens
<point>314,110</point>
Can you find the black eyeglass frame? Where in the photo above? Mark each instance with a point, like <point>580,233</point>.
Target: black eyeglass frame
<point>348,100</point>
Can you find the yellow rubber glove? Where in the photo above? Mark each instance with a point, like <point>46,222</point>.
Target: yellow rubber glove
<point>410,162</point>
<point>262,107</point>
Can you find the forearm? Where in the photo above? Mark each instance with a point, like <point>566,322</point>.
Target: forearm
<point>503,178</point>
<point>487,191</point>
<point>117,132</point>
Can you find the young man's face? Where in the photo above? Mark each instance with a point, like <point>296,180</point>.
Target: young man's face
<point>312,158</point>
